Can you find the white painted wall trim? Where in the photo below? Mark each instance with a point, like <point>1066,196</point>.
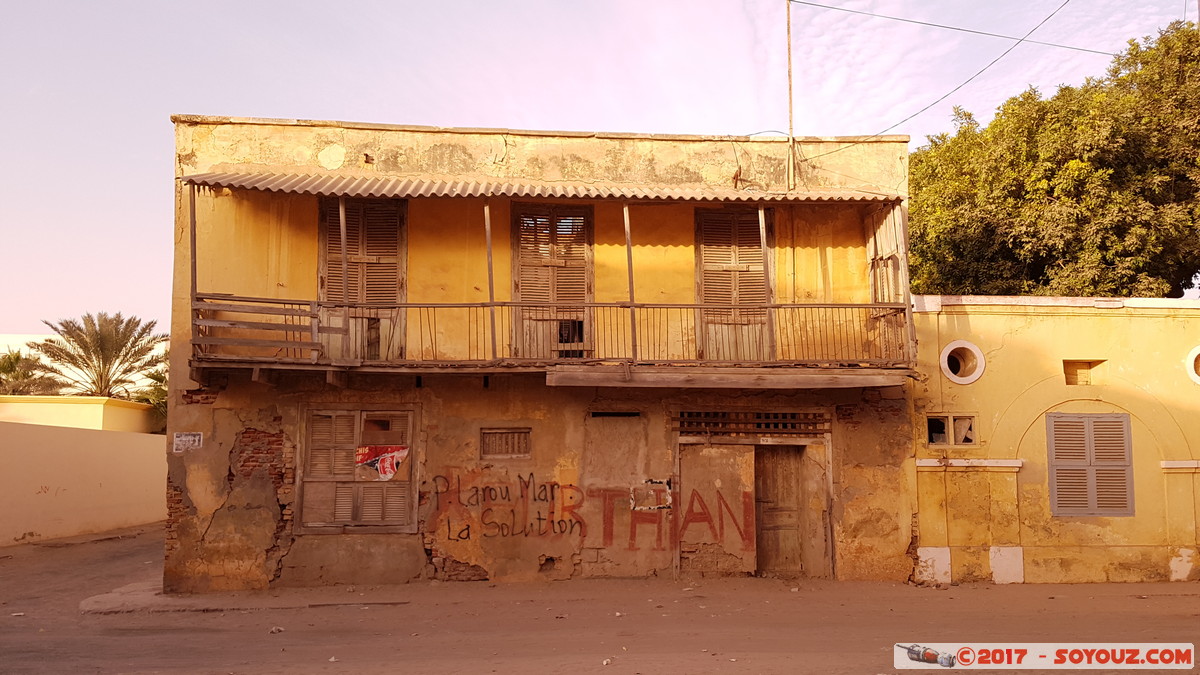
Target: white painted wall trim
<point>934,303</point>
<point>933,565</point>
<point>1180,466</point>
<point>1008,564</point>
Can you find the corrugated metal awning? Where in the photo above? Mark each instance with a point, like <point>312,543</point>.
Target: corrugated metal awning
<point>403,187</point>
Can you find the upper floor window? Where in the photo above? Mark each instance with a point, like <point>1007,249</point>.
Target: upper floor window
<point>372,270</point>
<point>730,262</point>
<point>731,286</point>
<point>1091,464</point>
<point>553,280</point>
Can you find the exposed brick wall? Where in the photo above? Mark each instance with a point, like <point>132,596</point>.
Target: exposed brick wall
<point>255,450</point>
<point>199,396</point>
<point>175,512</point>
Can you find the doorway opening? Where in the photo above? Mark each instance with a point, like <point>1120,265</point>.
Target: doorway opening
<point>791,511</point>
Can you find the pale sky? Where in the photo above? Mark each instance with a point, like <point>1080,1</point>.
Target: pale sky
<point>87,147</point>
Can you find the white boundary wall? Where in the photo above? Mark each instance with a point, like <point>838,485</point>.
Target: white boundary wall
<point>60,481</point>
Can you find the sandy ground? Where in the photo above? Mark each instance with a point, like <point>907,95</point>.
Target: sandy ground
<point>636,626</point>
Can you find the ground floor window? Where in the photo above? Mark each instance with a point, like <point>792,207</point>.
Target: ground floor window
<point>358,470</point>
<point>1091,464</point>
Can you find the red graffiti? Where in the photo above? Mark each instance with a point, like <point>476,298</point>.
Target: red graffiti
<point>608,498</point>
<point>698,512</point>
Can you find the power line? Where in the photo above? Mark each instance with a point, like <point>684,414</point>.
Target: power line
<point>951,92</point>
<point>938,25</point>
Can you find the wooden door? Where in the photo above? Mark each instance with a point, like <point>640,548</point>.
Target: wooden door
<point>778,502</point>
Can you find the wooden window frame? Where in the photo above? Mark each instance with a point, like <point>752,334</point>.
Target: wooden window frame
<point>951,430</point>
<point>329,236</point>
<point>586,346</point>
<point>768,262</point>
<point>485,432</point>
<point>1086,469</point>
<point>414,458</point>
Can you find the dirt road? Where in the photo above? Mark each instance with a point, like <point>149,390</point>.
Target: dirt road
<point>633,626</point>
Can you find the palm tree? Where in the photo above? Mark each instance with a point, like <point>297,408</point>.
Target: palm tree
<point>20,376</point>
<point>100,355</point>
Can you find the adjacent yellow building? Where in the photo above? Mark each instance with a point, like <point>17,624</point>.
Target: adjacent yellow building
<point>1057,439</point>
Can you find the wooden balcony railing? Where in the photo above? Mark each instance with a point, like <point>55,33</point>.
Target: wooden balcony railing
<point>230,328</point>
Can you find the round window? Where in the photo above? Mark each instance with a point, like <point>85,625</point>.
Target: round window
<point>962,362</point>
<point>1192,365</point>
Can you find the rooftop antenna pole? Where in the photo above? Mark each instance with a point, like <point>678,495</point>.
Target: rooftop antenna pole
<point>791,163</point>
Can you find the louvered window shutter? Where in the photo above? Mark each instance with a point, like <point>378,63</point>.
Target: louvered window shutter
<point>374,252</point>
<point>381,253</point>
<point>731,262</point>
<point>1091,464</point>
<point>553,251</point>
<point>337,491</point>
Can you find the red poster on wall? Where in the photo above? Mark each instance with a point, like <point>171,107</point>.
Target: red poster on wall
<point>386,459</point>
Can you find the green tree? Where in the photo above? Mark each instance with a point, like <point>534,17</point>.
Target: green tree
<point>154,394</point>
<point>20,376</point>
<point>1094,191</point>
<point>101,355</point>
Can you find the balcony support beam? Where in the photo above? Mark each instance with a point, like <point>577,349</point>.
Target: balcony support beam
<point>345,276</point>
<point>900,227</point>
<point>487,229</point>
<point>192,233</point>
<point>768,268</point>
<point>633,333</point>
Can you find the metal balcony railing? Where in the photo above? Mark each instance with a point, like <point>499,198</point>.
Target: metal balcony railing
<point>272,331</point>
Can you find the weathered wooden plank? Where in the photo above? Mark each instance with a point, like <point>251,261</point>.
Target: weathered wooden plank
<point>251,298</point>
<point>266,325</point>
<point>707,378</point>
<point>252,309</point>
<point>250,342</point>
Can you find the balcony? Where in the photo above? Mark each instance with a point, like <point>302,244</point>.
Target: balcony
<point>603,344</point>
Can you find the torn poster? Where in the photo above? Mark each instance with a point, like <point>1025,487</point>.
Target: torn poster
<point>386,459</point>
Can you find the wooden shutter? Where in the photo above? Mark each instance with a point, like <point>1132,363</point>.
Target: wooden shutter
<point>375,252</point>
<point>553,260</point>
<point>331,445</point>
<point>732,269</point>
<point>505,442</point>
<point>339,493</point>
<point>1091,472</point>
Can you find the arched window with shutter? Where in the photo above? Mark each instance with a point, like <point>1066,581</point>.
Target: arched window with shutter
<point>1091,464</point>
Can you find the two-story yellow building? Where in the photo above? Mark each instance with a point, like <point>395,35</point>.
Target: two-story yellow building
<point>412,352</point>
<point>470,353</point>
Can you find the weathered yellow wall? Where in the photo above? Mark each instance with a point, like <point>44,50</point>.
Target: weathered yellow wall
<point>258,244</point>
<point>240,532</point>
<point>239,144</point>
<point>60,482</point>
<point>972,509</point>
<point>82,412</point>
<point>266,245</point>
